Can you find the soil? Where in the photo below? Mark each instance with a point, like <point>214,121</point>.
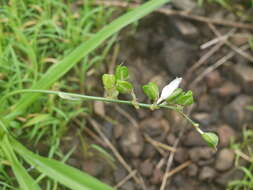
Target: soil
<point>163,48</point>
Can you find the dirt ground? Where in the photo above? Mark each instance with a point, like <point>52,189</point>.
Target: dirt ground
<point>216,64</point>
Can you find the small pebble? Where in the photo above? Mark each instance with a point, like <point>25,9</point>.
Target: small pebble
<point>207,173</point>
<point>225,159</point>
<point>146,168</point>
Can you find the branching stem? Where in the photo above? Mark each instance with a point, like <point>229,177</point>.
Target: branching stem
<point>73,96</point>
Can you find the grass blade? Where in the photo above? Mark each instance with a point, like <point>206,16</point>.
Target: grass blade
<point>26,182</point>
<point>58,70</point>
<point>64,174</point>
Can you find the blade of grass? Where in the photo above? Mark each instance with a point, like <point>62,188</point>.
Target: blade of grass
<point>68,176</point>
<point>59,69</point>
<point>26,182</point>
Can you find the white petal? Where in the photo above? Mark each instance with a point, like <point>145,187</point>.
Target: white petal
<point>169,89</point>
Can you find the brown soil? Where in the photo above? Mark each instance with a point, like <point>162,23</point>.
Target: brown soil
<point>164,48</point>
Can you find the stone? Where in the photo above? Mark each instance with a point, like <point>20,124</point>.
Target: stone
<point>181,155</point>
<point>206,162</point>
<point>171,139</point>
<point>226,135</point>
<point>99,108</point>
<point>205,103</point>
<point>128,186</point>
<point>193,138</point>
<point>214,79</point>
<point>93,167</point>
<point>177,55</point>
<point>146,168</point>
<point>192,170</point>
<point>143,39</point>
<point>225,159</point>
<point>119,174</point>
<point>157,114</point>
<point>201,153</point>
<point>132,143</point>
<point>242,73</point>
<point>118,131</point>
<point>135,162</point>
<point>207,173</point>
<point>225,178</point>
<point>227,89</point>
<point>236,113</point>
<point>180,181</point>
<point>186,28</point>
<point>203,118</point>
<point>157,176</point>
<point>183,183</point>
<point>152,127</point>
<point>186,5</point>
<point>108,130</point>
<point>151,188</point>
<point>149,151</point>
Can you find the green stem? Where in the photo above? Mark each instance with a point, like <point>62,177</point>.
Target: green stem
<point>194,124</point>
<point>74,96</point>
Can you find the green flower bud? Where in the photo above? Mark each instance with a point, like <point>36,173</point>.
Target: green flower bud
<point>151,90</point>
<point>124,87</point>
<point>211,139</point>
<point>108,81</point>
<point>121,72</point>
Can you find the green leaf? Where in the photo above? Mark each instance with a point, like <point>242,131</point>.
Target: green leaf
<point>108,81</point>
<point>171,99</point>
<point>64,174</point>
<point>38,119</point>
<point>211,138</point>
<point>188,98</point>
<point>26,182</point>
<point>124,87</point>
<point>121,72</point>
<point>151,90</point>
<point>182,98</point>
<point>56,71</point>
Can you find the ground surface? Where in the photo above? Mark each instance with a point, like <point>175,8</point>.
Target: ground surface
<point>219,73</point>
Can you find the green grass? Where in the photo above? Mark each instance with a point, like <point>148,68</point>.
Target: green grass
<point>245,147</point>
<point>34,35</point>
<point>40,42</point>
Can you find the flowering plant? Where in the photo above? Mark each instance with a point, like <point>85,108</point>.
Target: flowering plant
<point>171,97</point>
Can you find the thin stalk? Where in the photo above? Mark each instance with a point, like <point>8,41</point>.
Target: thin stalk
<point>73,96</point>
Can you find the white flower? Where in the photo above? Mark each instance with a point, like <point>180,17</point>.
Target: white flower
<point>169,89</point>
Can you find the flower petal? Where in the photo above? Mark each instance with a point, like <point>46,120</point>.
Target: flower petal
<point>169,89</point>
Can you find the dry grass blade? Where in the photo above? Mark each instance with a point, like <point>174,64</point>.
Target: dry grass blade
<point>244,156</point>
<point>232,46</point>
<point>159,144</point>
<point>178,169</point>
<point>96,126</point>
<point>184,14</point>
<point>129,176</point>
<point>216,65</point>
